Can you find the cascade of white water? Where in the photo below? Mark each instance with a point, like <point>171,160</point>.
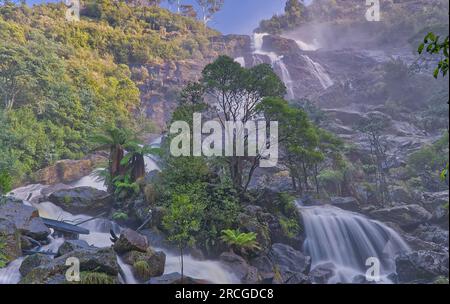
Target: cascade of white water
<point>346,240</point>
<point>99,236</point>
<point>275,60</point>
<point>316,69</point>
<point>241,61</point>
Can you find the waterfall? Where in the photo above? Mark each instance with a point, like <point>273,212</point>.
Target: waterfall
<point>241,61</point>
<point>99,236</point>
<point>275,60</point>
<point>346,240</point>
<point>317,70</point>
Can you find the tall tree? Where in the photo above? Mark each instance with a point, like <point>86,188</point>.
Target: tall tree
<point>237,92</point>
<point>209,8</point>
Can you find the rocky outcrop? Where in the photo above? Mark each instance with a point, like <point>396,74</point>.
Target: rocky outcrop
<point>147,264</point>
<point>9,241</point>
<point>130,240</point>
<point>246,273</point>
<point>322,273</point>
<point>346,203</point>
<point>421,266</point>
<point>72,245</point>
<point>66,171</point>
<point>101,261</point>
<point>283,265</point>
<point>406,216</point>
<point>25,218</point>
<point>33,261</point>
<point>82,200</point>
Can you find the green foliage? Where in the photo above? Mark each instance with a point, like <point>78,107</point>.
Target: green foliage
<point>290,226</point>
<point>292,17</point>
<point>3,258</point>
<point>142,269</point>
<point>61,82</point>
<point>120,216</point>
<point>5,182</point>
<point>96,278</point>
<point>182,219</point>
<point>240,241</point>
<point>433,44</point>
<point>125,187</point>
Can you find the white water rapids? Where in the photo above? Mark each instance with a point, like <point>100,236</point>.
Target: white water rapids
<point>211,271</point>
<point>346,240</point>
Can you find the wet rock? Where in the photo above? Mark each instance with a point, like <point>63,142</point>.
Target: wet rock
<point>28,243</point>
<point>432,233</point>
<point>322,273</point>
<point>239,266</point>
<point>175,278</point>
<point>360,279</point>
<point>288,262</point>
<point>98,260</point>
<point>346,203</point>
<point>399,194</point>
<point>146,264</point>
<point>65,171</point>
<point>10,238</point>
<point>25,218</point>
<point>406,216</point>
<point>130,240</point>
<point>33,261</point>
<point>72,245</point>
<point>433,200</point>
<point>82,200</point>
<point>421,266</point>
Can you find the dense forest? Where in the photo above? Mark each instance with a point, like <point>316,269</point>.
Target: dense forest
<point>362,143</point>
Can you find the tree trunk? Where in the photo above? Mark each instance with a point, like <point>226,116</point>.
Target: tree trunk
<point>182,265</point>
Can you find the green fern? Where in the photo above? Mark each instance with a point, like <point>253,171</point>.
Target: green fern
<point>240,241</point>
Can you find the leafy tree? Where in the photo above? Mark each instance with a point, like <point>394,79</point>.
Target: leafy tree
<point>433,44</point>
<point>236,92</point>
<point>5,182</point>
<point>209,8</point>
<point>182,222</point>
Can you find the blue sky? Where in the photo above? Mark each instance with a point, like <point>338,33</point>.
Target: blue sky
<point>237,16</point>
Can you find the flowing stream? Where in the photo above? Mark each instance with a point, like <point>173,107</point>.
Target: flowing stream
<point>346,240</point>
<point>99,236</point>
<point>275,60</point>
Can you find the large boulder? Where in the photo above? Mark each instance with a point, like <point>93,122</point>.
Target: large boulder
<point>286,257</point>
<point>101,261</point>
<point>283,265</point>
<point>10,244</point>
<point>84,200</point>
<point>401,195</point>
<point>25,218</point>
<point>72,245</point>
<point>147,264</point>
<point>66,171</point>
<point>346,203</point>
<point>421,266</point>
<point>432,233</point>
<point>433,200</point>
<point>33,261</point>
<point>130,240</point>
<point>406,216</point>
<point>247,274</point>
<point>322,273</point>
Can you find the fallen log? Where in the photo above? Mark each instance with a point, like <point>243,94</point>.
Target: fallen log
<point>64,227</point>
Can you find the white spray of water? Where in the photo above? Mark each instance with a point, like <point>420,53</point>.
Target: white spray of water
<point>241,61</point>
<point>304,46</point>
<point>316,69</point>
<point>275,60</point>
